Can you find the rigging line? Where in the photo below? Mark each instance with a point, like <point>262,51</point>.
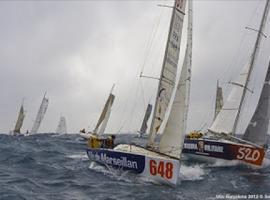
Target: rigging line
<point>134,105</point>
<point>150,40</point>
<point>243,37</point>
<point>142,90</point>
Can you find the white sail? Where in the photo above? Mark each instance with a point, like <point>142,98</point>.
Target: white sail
<point>169,69</point>
<point>173,135</point>
<point>219,100</point>
<point>20,120</point>
<point>104,118</point>
<point>227,119</point>
<point>40,115</point>
<point>105,115</point>
<point>257,129</point>
<point>62,126</point>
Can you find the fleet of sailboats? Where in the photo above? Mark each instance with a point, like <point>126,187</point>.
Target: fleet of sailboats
<point>160,158</point>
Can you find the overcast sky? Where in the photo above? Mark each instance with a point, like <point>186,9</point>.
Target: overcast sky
<point>76,50</point>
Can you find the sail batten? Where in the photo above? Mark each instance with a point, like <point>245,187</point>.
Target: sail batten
<point>169,69</point>
<point>172,138</point>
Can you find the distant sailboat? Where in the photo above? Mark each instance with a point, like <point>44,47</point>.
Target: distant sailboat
<point>250,149</point>
<point>40,115</point>
<point>144,126</point>
<point>19,122</point>
<point>62,126</point>
<point>103,119</point>
<point>160,160</point>
<point>219,100</point>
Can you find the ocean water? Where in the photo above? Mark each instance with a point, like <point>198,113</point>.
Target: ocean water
<point>52,167</point>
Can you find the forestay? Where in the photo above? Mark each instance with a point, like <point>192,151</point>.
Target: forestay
<point>169,68</point>
<point>258,127</point>
<point>40,115</point>
<point>173,135</point>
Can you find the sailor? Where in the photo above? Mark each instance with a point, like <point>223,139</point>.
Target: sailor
<point>82,131</point>
<point>110,142</point>
<point>94,142</point>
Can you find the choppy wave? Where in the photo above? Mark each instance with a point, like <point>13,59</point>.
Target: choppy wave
<point>50,166</point>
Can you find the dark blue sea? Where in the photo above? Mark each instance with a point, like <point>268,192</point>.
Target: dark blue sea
<point>55,167</point>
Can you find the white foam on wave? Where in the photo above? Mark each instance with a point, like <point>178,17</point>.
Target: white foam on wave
<point>192,173</point>
<point>225,163</point>
<point>111,172</point>
<point>82,156</point>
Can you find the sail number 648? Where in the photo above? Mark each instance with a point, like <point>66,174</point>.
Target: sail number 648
<point>161,168</point>
<point>245,153</point>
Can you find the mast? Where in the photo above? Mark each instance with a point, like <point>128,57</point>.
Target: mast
<point>252,60</point>
<point>169,69</point>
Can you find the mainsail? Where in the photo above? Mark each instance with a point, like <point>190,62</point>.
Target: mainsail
<point>40,115</point>
<point>173,135</point>
<point>145,119</point>
<point>227,119</point>
<point>257,129</point>
<point>62,126</point>
<point>20,119</point>
<point>105,115</point>
<point>169,69</point>
<point>219,100</point>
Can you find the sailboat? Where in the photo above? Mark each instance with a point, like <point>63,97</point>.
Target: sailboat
<point>62,126</point>
<point>160,160</point>
<point>103,119</point>
<point>19,122</point>
<point>40,115</point>
<point>251,148</point>
<point>144,126</point>
<point>219,100</point>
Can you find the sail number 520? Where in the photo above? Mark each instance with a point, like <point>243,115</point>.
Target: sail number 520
<point>164,169</point>
<point>245,153</point>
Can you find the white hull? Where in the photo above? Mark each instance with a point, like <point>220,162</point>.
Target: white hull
<point>157,167</point>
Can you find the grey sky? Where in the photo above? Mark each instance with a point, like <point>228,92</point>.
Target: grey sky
<point>76,50</point>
